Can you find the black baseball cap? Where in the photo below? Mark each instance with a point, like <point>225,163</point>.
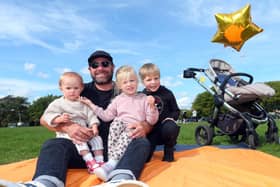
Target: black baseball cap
<point>100,53</point>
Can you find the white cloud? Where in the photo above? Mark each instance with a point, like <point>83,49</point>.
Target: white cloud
<point>184,102</point>
<point>29,67</point>
<point>84,70</point>
<point>198,12</point>
<point>144,61</point>
<point>42,75</point>
<point>34,23</point>
<point>23,88</point>
<point>169,81</point>
<point>62,70</point>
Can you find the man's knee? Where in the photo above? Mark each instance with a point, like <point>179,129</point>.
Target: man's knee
<point>57,142</point>
<point>141,144</point>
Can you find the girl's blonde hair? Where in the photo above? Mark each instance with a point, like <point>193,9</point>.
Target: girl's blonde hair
<point>123,73</point>
<point>148,69</point>
<point>68,75</point>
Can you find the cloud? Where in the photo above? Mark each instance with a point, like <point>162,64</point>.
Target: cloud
<point>24,88</point>
<point>169,81</point>
<point>184,103</point>
<point>199,13</point>
<point>144,61</point>
<point>84,70</point>
<point>42,75</point>
<point>29,67</point>
<point>62,70</point>
<point>35,23</point>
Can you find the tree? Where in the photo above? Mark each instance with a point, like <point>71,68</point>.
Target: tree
<point>37,108</point>
<point>13,110</point>
<point>273,103</point>
<point>203,104</point>
<point>184,114</point>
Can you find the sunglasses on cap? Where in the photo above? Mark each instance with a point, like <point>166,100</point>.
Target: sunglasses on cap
<point>104,64</point>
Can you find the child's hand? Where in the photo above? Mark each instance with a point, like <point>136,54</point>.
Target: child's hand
<point>151,101</point>
<point>64,118</point>
<point>86,101</point>
<point>94,129</point>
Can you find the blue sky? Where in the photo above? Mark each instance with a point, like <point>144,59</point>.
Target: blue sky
<point>41,39</point>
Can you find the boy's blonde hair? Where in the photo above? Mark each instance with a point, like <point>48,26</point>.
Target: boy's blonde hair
<point>148,69</point>
<point>68,75</point>
<point>123,73</point>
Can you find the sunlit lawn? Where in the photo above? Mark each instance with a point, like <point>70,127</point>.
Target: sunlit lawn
<point>23,143</point>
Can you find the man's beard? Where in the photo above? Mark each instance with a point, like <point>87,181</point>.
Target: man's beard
<point>103,81</point>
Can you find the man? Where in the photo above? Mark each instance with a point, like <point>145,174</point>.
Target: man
<point>57,155</point>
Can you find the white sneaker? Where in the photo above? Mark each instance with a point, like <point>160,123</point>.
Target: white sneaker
<point>103,171</point>
<point>4,183</point>
<point>123,183</point>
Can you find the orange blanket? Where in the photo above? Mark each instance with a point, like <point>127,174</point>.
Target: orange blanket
<point>205,166</point>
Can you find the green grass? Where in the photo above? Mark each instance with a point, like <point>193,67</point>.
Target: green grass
<point>23,143</point>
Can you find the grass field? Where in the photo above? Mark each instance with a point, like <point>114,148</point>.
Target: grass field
<point>23,143</point>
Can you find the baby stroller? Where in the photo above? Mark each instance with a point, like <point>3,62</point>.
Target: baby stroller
<point>237,112</point>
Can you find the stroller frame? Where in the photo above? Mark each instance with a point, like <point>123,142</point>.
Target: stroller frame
<point>245,122</point>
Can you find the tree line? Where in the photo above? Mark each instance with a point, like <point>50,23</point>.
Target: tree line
<point>15,109</point>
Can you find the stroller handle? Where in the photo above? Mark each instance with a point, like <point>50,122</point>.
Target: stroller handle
<point>228,77</point>
<point>190,72</point>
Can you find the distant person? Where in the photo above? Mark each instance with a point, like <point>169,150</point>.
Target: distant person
<point>194,115</point>
<point>69,109</point>
<point>126,108</point>
<point>165,131</point>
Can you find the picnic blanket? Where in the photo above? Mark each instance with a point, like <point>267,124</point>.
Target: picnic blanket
<point>204,166</point>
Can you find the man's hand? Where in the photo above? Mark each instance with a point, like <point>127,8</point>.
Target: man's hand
<point>77,133</point>
<point>139,130</point>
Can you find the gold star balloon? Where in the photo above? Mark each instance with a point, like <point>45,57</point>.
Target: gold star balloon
<point>236,28</point>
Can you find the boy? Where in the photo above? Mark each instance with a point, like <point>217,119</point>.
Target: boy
<point>165,131</point>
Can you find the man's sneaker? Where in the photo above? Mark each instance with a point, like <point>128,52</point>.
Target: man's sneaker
<point>103,171</point>
<point>92,165</point>
<point>4,183</point>
<point>123,183</point>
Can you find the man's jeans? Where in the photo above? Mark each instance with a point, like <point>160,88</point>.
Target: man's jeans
<point>59,154</point>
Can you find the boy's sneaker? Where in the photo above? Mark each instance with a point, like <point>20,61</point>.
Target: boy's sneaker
<point>123,183</point>
<point>4,183</point>
<point>92,165</point>
<point>103,171</point>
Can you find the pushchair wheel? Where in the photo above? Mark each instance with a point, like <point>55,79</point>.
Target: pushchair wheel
<point>253,140</point>
<point>204,135</point>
